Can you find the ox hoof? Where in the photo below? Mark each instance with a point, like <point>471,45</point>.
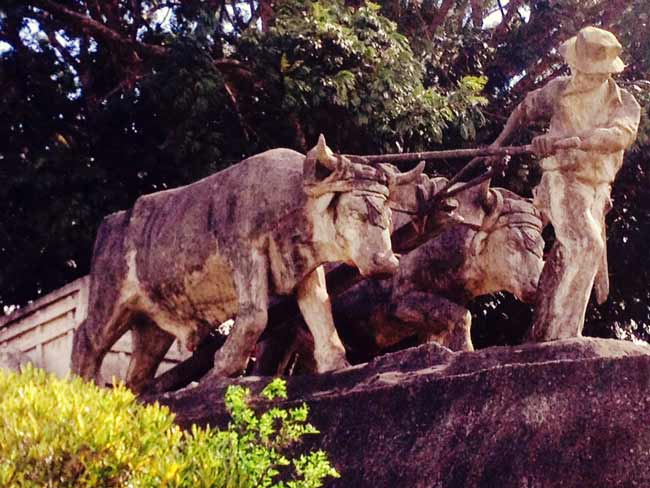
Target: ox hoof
<point>224,368</point>
<point>215,374</point>
<point>333,364</point>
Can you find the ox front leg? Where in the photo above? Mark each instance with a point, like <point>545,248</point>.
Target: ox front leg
<point>436,319</point>
<point>252,288</point>
<point>150,345</point>
<point>314,303</point>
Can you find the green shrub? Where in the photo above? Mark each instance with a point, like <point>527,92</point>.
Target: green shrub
<point>60,433</point>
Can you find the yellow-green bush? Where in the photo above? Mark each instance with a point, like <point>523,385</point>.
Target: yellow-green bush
<point>64,433</point>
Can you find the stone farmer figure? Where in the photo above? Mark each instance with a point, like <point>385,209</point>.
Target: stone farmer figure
<point>592,121</point>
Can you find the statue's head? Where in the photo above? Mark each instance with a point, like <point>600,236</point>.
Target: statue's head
<point>593,55</point>
<point>352,199</point>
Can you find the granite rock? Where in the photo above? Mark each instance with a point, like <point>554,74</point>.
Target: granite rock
<point>572,413</point>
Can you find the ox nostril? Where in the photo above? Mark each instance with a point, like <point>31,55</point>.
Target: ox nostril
<point>385,263</point>
<point>529,295</point>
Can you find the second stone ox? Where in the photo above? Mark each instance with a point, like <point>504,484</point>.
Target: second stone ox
<point>185,260</point>
<point>497,245</point>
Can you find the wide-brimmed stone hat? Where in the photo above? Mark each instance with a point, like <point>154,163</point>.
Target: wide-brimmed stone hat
<point>592,51</point>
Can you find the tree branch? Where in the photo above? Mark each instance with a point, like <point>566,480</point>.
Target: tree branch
<point>231,69</point>
<point>535,78</point>
<point>477,13</point>
<point>69,58</point>
<point>611,10</point>
<point>100,30</point>
<point>500,6</point>
<point>504,26</point>
<point>138,19</point>
<point>440,15</point>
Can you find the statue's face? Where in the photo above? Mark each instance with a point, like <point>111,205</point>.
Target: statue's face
<point>363,224</point>
<point>588,81</point>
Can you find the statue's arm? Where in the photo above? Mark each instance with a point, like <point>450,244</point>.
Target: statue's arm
<point>516,119</point>
<point>620,132</point>
<point>538,104</point>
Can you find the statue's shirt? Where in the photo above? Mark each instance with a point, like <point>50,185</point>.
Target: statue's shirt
<point>573,112</point>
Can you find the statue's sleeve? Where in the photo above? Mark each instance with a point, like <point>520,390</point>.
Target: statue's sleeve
<point>540,103</point>
<point>625,120</point>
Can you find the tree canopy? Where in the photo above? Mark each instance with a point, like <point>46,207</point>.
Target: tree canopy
<point>105,101</point>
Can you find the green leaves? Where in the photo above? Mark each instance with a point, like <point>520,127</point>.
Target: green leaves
<point>277,388</point>
<point>69,433</point>
<point>350,74</point>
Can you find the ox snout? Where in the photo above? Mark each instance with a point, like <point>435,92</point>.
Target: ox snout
<point>529,297</point>
<point>383,265</point>
<point>529,293</point>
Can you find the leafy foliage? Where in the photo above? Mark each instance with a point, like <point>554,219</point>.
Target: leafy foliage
<point>70,433</point>
<point>349,73</point>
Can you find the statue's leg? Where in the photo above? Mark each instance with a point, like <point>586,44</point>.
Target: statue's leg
<point>149,345</point>
<point>568,275</point>
<point>436,319</point>
<point>273,353</point>
<point>603,205</point>
<point>316,308</point>
<point>93,339</point>
<point>251,280</point>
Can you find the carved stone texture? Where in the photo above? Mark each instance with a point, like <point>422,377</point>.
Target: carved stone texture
<point>182,261</point>
<point>570,413</point>
<point>601,119</point>
<point>283,314</point>
<point>498,246</point>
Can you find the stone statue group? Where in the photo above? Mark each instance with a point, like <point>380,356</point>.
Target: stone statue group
<point>183,261</point>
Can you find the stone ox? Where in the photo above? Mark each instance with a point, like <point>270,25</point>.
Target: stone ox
<point>497,246</point>
<point>183,261</point>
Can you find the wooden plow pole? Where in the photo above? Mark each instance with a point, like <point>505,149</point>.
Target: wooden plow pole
<point>482,152</point>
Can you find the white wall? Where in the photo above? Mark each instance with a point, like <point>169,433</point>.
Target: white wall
<point>43,331</point>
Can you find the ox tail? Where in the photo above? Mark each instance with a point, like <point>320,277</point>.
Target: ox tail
<point>111,234</point>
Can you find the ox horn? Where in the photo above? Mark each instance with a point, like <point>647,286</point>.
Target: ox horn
<point>407,177</point>
<point>324,154</point>
<point>495,203</point>
<point>484,188</point>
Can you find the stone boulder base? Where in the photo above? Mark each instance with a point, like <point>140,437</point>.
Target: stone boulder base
<point>573,413</point>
